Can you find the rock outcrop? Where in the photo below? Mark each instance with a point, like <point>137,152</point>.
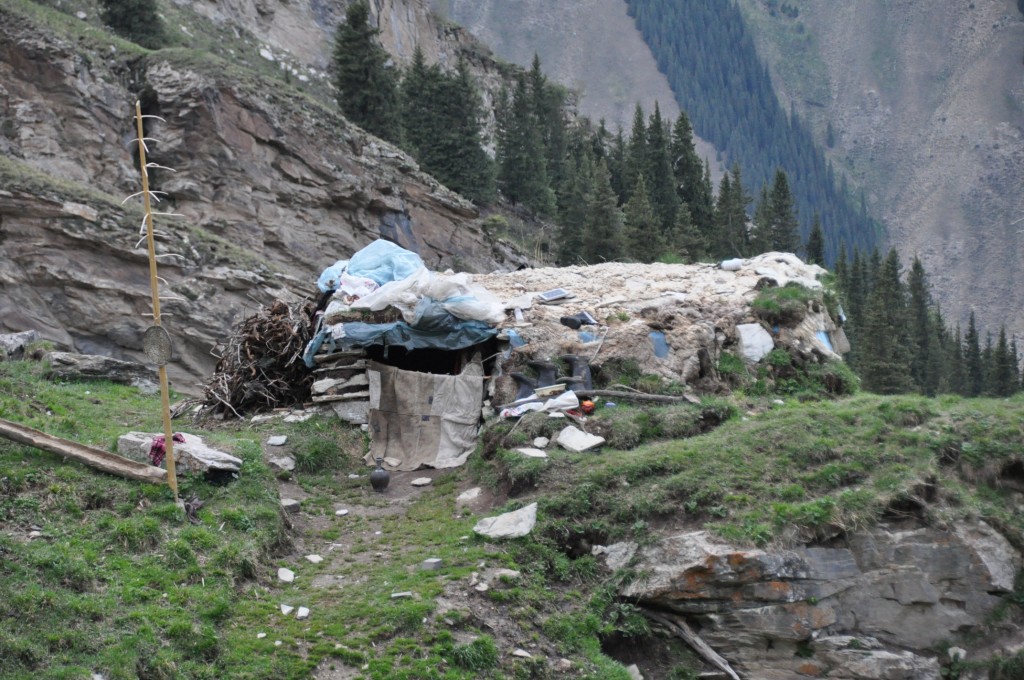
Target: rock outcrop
<point>272,187</point>
<point>877,604</point>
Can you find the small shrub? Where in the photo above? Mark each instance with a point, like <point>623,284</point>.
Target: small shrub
<point>730,365</point>
<point>479,655</point>
<point>785,306</point>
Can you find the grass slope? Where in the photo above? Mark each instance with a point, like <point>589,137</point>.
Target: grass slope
<point>120,583</point>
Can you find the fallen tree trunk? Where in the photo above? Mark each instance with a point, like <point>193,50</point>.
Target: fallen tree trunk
<point>638,396</point>
<point>679,627</point>
<point>97,458</point>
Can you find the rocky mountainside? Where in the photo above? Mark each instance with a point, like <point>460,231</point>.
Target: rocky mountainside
<point>924,101</point>
<point>272,184</point>
<point>926,105</point>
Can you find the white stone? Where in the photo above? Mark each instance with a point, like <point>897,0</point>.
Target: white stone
<point>83,15</point>
<point>353,475</point>
<point>266,54</point>
<point>290,505</point>
<point>278,440</point>
<point>287,609</point>
<point>286,575</point>
<point>277,643</point>
<point>260,636</point>
<point>532,453</point>
<point>402,595</point>
<point>522,654</point>
<point>509,525</point>
<point>286,463</point>
<point>481,587</point>
<point>507,574</point>
<point>421,481</point>
<point>575,439</point>
<point>431,564</point>
<point>755,341</point>
<point>469,495</point>
<point>634,673</point>
<point>541,442</point>
<point>341,513</point>
<point>303,613</point>
<point>315,559</point>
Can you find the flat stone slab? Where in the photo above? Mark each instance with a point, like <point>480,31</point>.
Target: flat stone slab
<point>191,456</point>
<point>286,463</point>
<point>287,609</point>
<point>402,595</point>
<point>421,481</point>
<point>574,439</point>
<point>341,513</point>
<point>303,613</point>
<point>755,341</point>
<point>315,559</point>
<point>431,564</point>
<point>510,525</point>
<point>290,505</point>
<point>469,495</point>
<point>278,440</point>
<point>532,453</point>
<point>286,575</point>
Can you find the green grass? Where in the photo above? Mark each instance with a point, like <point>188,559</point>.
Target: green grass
<point>120,583</point>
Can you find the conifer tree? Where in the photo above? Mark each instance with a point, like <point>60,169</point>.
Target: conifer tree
<point>974,376</point>
<point>782,215</point>
<point>573,212</point>
<point>135,20</point>
<point>603,240</point>
<point>636,152</point>
<point>815,248</point>
<point>687,240</point>
<point>1004,381</point>
<point>643,232</point>
<point>885,361</point>
<point>522,175</point>
<point>760,236</point>
<point>920,325</point>
<point>730,237</point>
<point>659,175</point>
<point>956,371</point>
<point>367,90</point>
<point>689,173</point>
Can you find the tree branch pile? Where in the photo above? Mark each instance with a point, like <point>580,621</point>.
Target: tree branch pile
<point>261,365</point>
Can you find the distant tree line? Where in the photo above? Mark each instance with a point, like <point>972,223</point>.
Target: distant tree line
<point>901,343</point>
<point>644,197</point>
<point>708,56</point>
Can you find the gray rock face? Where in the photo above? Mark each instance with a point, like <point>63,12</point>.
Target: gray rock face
<point>71,366</point>
<point>267,203</point>
<point>897,593</point>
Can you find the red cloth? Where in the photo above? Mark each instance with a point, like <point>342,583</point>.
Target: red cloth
<point>158,449</point>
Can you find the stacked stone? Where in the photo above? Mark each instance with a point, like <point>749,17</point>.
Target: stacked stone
<point>340,379</point>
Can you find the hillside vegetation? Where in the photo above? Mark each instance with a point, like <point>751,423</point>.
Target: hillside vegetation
<point>105,575</point>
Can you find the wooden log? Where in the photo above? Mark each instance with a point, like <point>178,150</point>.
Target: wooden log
<point>681,629</point>
<point>97,458</point>
<point>351,396</point>
<point>638,396</point>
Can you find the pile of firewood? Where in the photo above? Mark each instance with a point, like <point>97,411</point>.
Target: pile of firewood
<point>261,365</point>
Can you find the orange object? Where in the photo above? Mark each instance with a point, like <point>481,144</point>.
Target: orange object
<point>587,406</point>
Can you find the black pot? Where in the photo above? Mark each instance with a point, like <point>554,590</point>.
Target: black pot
<point>380,478</point>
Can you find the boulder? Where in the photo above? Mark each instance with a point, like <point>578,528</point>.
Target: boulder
<point>784,613</point>
<point>510,525</point>
<point>12,345</point>
<point>71,366</point>
<point>192,456</point>
<point>755,342</point>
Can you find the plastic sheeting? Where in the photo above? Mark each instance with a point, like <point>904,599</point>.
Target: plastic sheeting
<point>383,262</point>
<point>458,335</point>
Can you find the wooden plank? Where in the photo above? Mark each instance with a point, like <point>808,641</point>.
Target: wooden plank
<point>97,458</point>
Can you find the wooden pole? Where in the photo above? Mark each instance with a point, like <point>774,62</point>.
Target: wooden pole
<point>165,400</point>
<point>97,458</point>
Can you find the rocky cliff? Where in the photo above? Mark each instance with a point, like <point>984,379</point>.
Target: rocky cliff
<point>926,105</point>
<point>271,185</point>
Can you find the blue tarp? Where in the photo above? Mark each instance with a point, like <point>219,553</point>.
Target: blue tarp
<point>382,261</point>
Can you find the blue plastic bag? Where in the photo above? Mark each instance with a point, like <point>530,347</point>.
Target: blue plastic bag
<point>382,261</point>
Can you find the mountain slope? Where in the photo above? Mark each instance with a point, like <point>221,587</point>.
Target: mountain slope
<point>927,110</point>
